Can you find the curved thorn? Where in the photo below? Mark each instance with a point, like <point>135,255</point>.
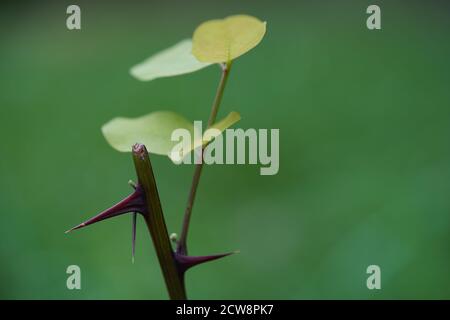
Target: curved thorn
<point>133,241</point>
<point>186,262</point>
<point>135,202</point>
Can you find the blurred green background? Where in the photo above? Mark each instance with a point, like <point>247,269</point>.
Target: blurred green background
<point>364,119</point>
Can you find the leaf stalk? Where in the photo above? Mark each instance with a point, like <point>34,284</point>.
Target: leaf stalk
<point>182,243</point>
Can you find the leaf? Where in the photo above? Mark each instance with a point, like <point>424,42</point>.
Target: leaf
<point>220,126</point>
<point>155,130</point>
<point>223,40</point>
<point>215,130</point>
<point>173,61</point>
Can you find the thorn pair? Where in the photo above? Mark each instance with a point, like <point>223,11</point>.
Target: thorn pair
<point>135,203</point>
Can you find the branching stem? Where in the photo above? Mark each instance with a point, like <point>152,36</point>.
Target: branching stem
<point>182,243</point>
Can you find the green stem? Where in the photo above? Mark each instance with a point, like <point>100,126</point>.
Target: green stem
<point>182,243</point>
<point>156,225</point>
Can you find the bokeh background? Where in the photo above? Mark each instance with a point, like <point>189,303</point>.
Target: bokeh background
<point>364,119</point>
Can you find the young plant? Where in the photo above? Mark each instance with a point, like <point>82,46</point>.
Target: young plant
<point>214,42</point>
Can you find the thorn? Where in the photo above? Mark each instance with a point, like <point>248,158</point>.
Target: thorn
<point>174,237</point>
<point>76,227</point>
<point>133,236</point>
<point>133,203</point>
<point>186,262</point>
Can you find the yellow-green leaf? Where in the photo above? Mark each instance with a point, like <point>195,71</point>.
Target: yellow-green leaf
<point>226,39</point>
<point>155,131</point>
<point>173,61</point>
<point>220,126</point>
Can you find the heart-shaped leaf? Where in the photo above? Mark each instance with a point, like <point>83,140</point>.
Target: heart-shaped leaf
<point>226,39</point>
<point>155,130</point>
<point>173,61</point>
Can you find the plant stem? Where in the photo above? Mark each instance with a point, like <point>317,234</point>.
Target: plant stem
<point>182,243</point>
<point>156,225</point>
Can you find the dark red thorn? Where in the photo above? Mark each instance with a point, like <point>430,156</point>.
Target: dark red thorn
<point>186,262</point>
<point>135,202</point>
<point>133,236</point>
